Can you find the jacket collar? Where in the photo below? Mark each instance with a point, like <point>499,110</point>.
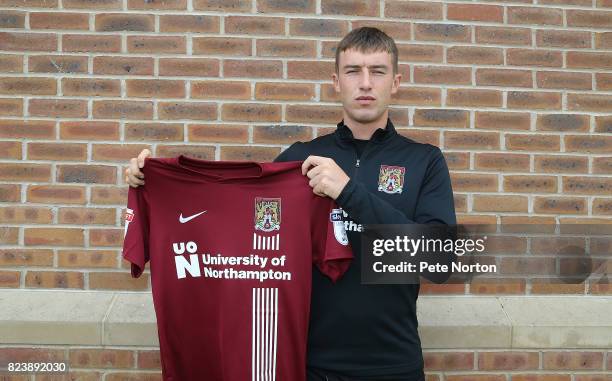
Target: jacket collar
<point>345,135</point>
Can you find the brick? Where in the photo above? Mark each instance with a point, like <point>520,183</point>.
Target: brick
<point>425,96</point>
<point>508,360</point>
<point>28,86</point>
<point>442,32</point>
<point>551,286</point>
<point>420,53</point>
<point>10,150</point>
<point>573,360</point>
<point>87,258</point>
<point>442,75</point>
<point>12,19</point>
<point>534,100</point>
<point>91,43</point>
<point>201,67</point>
<point>109,195</point>
<point>350,7</point>
<point>58,108</point>
<point>594,377</point>
<point>588,143</point>
<point>254,25</point>
<point>135,376</point>
<point>251,112</point>
<point>603,81</point>
<point>317,27</point>
<point>91,174</point>
<point>220,90</point>
<point>400,118</point>
<point>116,152</point>
<point>286,6</point>
<point>89,130</point>
<point>286,48</point>
<point>223,5</point>
<point>591,19</point>
<point>502,162</point>
<point>57,151</point>
<point>117,281</point>
<point>534,57</point>
<point>124,65</point>
<point>59,20</point>
<point>448,361</point>
<point>91,87</point>
<point>149,360</point>
<point>279,134</point>
<point>421,136</point>
<point>313,114</point>
<point>10,193</point>
<point>502,120</point>
<point>507,245</point>
<point>475,12</point>
<point>441,118</point>
<point>156,44</point>
<point>603,40</point>
<point>198,152</point>
<point>222,46</point>
<point>52,194</point>
<point>248,68</point>
<point>500,203</point>
<point>9,236</point>
<point>439,289</point>
<point>589,102</point>
<point>460,202</point>
<point>530,184</point>
<point>472,182</point>
<point>492,287</point>
<point>475,55</point>
<point>101,358</point>
<point>106,237</point>
<point>398,30</point>
<point>25,172</point>
<point>602,206</point>
<point>589,60</point>
<point>45,42</point>
<point>11,107</point>
<point>473,98</point>
<point>115,22</point>
<point>587,185</point>
<point>561,164</point>
<point>26,257</point>
<point>583,3</point>
<point>57,64</point>
<point>560,205</point>
<point>11,63</point>
<point>155,88</point>
<point>535,15</point>
<point>120,109</point>
<point>284,91</point>
<point>525,142</point>
<point>471,140</point>
<point>550,38</point>
<point>154,131</point>
<point>187,110</point>
<point>556,245</point>
<point>189,23</point>
<point>25,215</point>
<point>503,77</point>
<point>602,165</point>
<point>88,4</point>
<point>562,122</point>
<point>86,216</point>
<point>29,354</point>
<point>158,5</point>
<point>502,35</point>
<point>563,80</point>
<point>53,236</point>
<point>54,279</point>
<point>225,133</point>
<point>249,153</point>
<point>413,10</point>
<point>315,70</point>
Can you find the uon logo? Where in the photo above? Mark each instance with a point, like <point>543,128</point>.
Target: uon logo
<point>391,179</point>
<point>129,216</point>
<point>267,214</point>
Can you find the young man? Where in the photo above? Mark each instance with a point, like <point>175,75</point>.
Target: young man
<point>366,332</point>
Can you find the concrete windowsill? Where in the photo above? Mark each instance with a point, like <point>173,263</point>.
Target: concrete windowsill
<point>128,319</point>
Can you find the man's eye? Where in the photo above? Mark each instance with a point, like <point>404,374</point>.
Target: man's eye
<point>351,71</point>
<point>379,72</point>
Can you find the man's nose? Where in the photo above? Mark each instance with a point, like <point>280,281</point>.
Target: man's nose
<point>365,80</point>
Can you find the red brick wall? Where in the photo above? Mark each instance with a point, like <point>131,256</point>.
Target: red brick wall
<point>517,94</point>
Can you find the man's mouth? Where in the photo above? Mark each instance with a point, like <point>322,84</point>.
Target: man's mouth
<point>365,100</point>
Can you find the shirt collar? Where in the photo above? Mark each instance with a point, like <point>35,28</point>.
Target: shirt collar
<point>378,136</point>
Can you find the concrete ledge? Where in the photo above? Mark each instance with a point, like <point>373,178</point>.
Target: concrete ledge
<point>445,322</point>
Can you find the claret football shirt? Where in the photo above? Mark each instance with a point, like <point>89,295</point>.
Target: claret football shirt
<point>231,247</point>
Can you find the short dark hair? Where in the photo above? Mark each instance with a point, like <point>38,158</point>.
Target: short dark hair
<point>368,40</point>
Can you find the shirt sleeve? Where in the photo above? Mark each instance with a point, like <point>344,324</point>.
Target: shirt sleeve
<point>331,251</point>
<point>136,231</point>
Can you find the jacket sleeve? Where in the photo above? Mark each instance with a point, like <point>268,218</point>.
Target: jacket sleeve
<point>435,202</point>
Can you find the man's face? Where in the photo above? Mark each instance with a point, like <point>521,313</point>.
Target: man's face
<point>365,82</point>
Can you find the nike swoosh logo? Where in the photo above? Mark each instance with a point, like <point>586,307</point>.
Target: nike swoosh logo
<point>182,219</point>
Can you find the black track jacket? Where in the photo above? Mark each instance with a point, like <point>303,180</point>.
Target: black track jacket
<point>370,331</point>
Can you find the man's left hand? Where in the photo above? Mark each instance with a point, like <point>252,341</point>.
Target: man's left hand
<point>326,177</point>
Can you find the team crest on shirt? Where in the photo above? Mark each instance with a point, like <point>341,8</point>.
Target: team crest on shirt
<point>267,214</point>
<point>391,179</point>
<point>129,216</point>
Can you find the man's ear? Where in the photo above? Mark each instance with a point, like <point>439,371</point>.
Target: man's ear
<point>336,81</point>
<point>397,78</point>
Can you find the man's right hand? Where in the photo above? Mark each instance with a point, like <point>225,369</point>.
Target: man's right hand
<point>133,176</point>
